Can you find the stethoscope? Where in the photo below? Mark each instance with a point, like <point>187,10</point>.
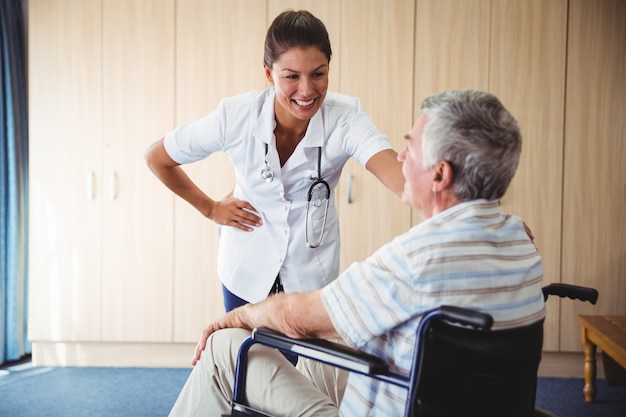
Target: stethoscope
<point>267,175</point>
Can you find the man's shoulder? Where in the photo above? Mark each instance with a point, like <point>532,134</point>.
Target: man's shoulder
<point>461,225</point>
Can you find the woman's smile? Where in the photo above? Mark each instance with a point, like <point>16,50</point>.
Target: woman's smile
<point>304,103</point>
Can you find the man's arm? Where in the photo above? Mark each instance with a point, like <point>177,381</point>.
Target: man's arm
<point>298,315</point>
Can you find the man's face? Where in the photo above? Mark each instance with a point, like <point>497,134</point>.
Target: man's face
<point>418,191</point>
<point>300,78</point>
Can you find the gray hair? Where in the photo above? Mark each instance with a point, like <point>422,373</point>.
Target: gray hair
<point>477,136</point>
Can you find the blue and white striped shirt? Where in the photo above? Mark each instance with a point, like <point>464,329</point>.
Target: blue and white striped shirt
<point>470,255</point>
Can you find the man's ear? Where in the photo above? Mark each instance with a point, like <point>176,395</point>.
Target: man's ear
<point>442,176</point>
<point>268,74</point>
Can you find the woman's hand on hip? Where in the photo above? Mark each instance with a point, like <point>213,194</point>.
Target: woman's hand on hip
<point>231,211</point>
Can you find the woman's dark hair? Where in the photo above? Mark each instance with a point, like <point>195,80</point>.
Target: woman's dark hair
<point>295,29</point>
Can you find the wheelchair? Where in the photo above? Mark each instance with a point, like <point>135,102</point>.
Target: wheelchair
<point>460,367</point>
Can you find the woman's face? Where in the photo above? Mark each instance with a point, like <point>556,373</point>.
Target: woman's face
<point>300,78</point>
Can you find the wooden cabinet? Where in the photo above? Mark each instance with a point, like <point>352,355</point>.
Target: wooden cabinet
<point>117,263</point>
<point>101,79</point>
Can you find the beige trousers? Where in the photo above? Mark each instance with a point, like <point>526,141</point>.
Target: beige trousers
<point>273,384</point>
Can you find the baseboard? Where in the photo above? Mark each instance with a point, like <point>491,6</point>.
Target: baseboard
<point>178,355</point>
<point>143,355</point>
<point>567,365</point>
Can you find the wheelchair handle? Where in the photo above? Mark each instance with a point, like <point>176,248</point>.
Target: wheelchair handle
<point>465,316</point>
<point>574,292</point>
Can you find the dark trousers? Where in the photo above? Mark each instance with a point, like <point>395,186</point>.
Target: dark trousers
<point>231,302</point>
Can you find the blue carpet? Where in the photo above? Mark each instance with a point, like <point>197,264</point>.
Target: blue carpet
<point>28,391</point>
<point>564,397</point>
<point>90,392</point>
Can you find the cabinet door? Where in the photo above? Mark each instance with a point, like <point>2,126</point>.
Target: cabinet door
<point>375,65</point>
<point>137,216</point>
<point>65,170</point>
<point>594,185</point>
<point>451,49</point>
<point>219,53</point>
<point>451,46</point>
<point>527,72</point>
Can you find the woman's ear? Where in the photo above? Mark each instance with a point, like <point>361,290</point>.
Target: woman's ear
<point>268,74</point>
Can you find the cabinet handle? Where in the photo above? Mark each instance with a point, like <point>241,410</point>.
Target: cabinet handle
<point>91,186</point>
<point>113,185</point>
<point>349,189</point>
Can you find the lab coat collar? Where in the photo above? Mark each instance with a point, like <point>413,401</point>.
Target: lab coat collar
<point>266,123</point>
<point>264,132</point>
<point>313,138</point>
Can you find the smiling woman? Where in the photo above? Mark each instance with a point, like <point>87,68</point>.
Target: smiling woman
<point>13,184</point>
<point>292,130</point>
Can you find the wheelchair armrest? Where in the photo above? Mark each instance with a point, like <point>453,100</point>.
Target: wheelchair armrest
<point>323,351</point>
<point>464,316</point>
<point>574,292</point>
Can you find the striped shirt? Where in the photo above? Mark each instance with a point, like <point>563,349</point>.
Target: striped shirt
<point>470,255</point>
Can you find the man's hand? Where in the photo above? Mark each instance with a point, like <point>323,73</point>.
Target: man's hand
<point>232,319</point>
<point>201,345</point>
<point>299,315</point>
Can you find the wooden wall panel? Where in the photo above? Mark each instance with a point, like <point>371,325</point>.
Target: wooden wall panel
<point>527,72</point>
<point>594,180</point>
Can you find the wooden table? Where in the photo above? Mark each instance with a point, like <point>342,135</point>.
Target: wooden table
<point>608,333</point>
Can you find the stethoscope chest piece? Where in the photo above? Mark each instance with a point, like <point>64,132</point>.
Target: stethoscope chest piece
<point>267,173</point>
<point>322,187</point>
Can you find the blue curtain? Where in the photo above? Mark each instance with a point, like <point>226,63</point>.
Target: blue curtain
<point>13,183</point>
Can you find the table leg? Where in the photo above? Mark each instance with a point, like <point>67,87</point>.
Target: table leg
<point>589,368</point>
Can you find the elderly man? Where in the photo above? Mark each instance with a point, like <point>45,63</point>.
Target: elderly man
<point>460,158</point>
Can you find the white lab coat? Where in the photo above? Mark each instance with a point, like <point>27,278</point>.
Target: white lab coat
<point>248,262</point>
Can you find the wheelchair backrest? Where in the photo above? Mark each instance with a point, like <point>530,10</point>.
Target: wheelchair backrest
<point>467,372</point>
